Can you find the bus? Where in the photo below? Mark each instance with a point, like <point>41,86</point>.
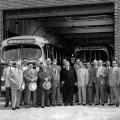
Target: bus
<point>91,53</point>
<point>30,48</point>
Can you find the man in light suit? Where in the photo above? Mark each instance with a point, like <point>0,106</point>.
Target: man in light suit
<point>55,82</point>
<point>16,80</point>
<point>30,75</point>
<point>114,82</point>
<point>95,66</point>
<point>100,74</point>
<point>82,81</point>
<point>6,73</point>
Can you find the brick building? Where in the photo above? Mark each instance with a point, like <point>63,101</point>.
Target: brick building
<point>31,11</point>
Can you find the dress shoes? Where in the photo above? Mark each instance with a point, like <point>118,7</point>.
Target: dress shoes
<point>111,104</point>
<point>102,104</point>
<point>66,104</point>
<point>97,104</point>
<point>90,103</point>
<point>17,107</point>
<point>117,105</point>
<point>35,105</point>
<point>5,105</point>
<point>71,104</point>
<point>47,105</point>
<point>79,103</point>
<point>42,106</point>
<point>13,108</point>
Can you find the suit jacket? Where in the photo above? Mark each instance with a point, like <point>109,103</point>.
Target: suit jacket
<point>107,74</point>
<point>29,76</point>
<point>82,76</point>
<point>62,73</point>
<point>6,73</point>
<point>100,78</point>
<point>55,75</point>
<point>114,76</point>
<point>49,71</point>
<point>70,77</point>
<point>16,78</point>
<point>41,77</point>
<point>90,76</point>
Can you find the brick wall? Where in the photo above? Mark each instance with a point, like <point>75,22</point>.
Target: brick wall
<point>19,4</point>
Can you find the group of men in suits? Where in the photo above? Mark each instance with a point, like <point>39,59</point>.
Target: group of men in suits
<point>27,74</point>
<point>96,84</point>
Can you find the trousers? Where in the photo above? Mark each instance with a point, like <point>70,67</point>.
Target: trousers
<point>8,96</point>
<point>82,94</point>
<point>55,95</point>
<point>16,97</point>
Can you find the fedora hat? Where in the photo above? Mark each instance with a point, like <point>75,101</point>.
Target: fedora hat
<point>46,85</point>
<point>22,87</point>
<point>32,86</point>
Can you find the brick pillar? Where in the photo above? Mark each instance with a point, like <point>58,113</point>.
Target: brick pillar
<point>117,29</point>
<point>1,26</point>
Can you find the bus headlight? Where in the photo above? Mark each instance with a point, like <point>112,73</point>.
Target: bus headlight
<point>2,79</point>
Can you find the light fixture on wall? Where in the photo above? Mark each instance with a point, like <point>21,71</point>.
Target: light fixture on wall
<point>73,26</point>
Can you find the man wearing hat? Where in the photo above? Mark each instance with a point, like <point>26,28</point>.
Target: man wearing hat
<point>6,73</point>
<point>16,80</point>
<point>44,91</point>
<point>55,83</point>
<point>69,83</point>
<point>62,78</point>
<point>49,74</point>
<point>30,76</point>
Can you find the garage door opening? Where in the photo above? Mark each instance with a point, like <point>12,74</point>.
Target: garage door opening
<point>87,33</point>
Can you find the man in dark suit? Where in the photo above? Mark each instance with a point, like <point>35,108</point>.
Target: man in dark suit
<point>90,83</point>
<point>37,68</point>
<point>69,83</point>
<point>30,75</point>
<point>107,87</point>
<point>62,78</point>
<point>44,93</point>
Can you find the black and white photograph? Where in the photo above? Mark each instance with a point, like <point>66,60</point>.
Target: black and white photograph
<point>59,59</point>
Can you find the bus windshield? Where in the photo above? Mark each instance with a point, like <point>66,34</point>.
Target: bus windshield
<point>21,51</point>
<point>91,53</point>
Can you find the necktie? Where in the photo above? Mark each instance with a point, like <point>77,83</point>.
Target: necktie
<point>31,72</point>
<point>18,71</point>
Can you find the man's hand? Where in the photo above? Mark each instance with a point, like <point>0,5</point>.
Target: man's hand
<point>63,82</point>
<point>75,83</point>
<point>46,79</point>
<point>32,80</point>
